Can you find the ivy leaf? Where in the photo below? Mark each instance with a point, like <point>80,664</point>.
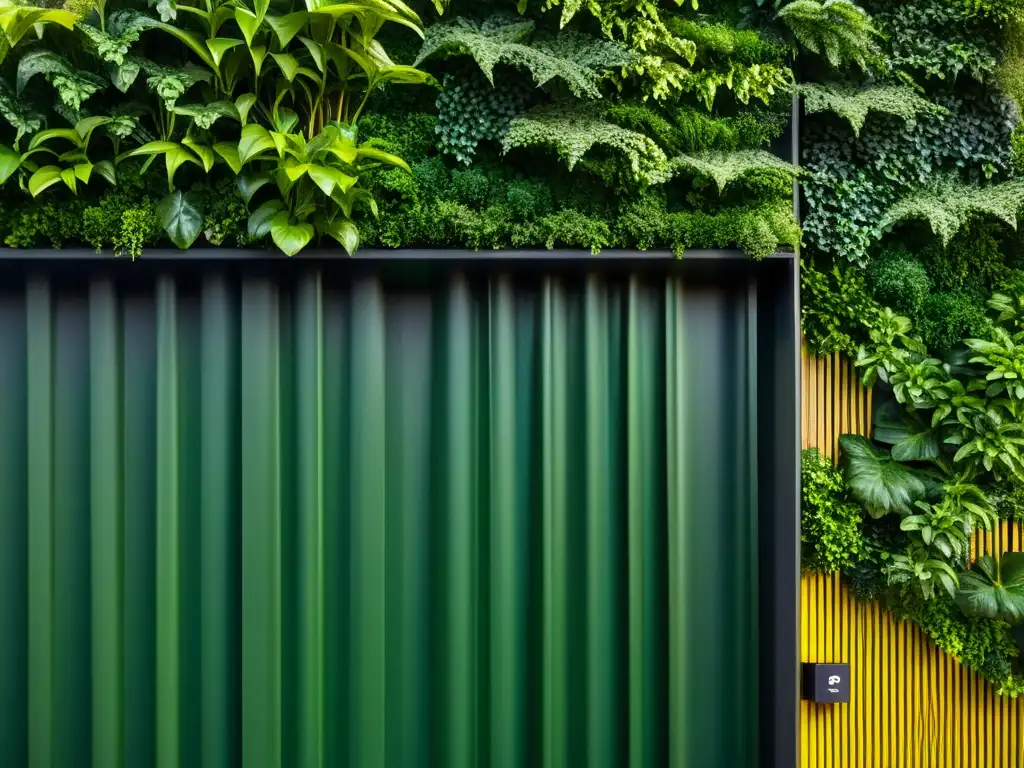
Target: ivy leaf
<point>181,217</point>
<point>880,483</point>
<point>290,237</point>
<point>994,589</point>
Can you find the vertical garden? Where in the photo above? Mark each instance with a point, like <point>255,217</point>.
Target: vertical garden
<point>633,124</point>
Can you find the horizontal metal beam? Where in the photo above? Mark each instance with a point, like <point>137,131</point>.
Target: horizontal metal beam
<point>382,254</point>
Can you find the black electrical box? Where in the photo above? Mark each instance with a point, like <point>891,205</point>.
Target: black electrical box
<point>826,683</point>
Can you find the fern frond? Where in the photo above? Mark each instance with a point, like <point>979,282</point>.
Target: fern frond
<point>947,204</point>
<point>837,29</point>
<point>581,62</point>
<point>853,104</point>
<point>726,167</point>
<point>573,130</point>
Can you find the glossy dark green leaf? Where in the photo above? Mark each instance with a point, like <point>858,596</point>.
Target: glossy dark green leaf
<point>181,217</point>
<point>880,483</point>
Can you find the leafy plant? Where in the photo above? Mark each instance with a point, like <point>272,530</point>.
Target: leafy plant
<point>581,63</point>
<point>854,104</point>
<point>877,481</point>
<point>726,167</point>
<point>920,569</point>
<point>994,588</point>
<point>830,523</point>
<point>573,130</point>
<point>837,29</point>
<point>315,183</point>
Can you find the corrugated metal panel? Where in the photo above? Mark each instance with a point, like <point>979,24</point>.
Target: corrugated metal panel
<point>439,521</point>
<point>912,706</point>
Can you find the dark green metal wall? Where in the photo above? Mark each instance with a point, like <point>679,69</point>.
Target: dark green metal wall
<point>341,519</point>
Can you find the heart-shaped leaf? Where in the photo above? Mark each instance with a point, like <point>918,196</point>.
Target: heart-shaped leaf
<point>259,220</point>
<point>181,216</point>
<point>255,139</point>
<point>250,183</point>
<point>345,232</point>
<point>291,237</point>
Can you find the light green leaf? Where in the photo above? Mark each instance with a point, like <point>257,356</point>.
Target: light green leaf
<point>10,161</point>
<point>83,172</point>
<point>42,179</point>
<point>188,38</point>
<point>229,152</point>
<point>248,23</point>
<point>345,232</point>
<point>255,139</point>
<point>288,236</point>
<point>380,156</point>
<point>243,104</point>
<point>70,179</point>
<point>316,51</point>
<point>289,64</point>
<point>181,216</point>
<point>286,27</point>
<point>328,178</point>
<point>203,152</point>
<point>176,158</point>
<point>219,46</point>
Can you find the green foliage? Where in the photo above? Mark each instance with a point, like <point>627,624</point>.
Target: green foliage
<point>837,29</point>
<point>574,130</point>
<point>854,104</point>
<point>944,319</point>
<point>836,309</point>
<point>830,523</point>
<point>980,644</point>
<point>948,205</point>
<point>994,589</point>
<point>900,281</point>
<point>937,39</point>
<point>580,62</point>
<point>878,482</point>
<point>920,571</point>
<point>647,223</point>
<point>726,167</point>
<point>684,130</point>
<point>472,111</point>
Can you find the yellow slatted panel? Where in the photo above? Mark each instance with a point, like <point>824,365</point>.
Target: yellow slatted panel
<point>912,706</point>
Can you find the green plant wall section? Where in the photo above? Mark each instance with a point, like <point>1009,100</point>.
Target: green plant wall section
<point>323,519</point>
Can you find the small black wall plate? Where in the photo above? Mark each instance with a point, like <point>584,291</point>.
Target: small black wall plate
<point>826,683</point>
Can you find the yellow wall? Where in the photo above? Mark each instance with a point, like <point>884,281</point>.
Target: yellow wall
<point>912,706</point>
